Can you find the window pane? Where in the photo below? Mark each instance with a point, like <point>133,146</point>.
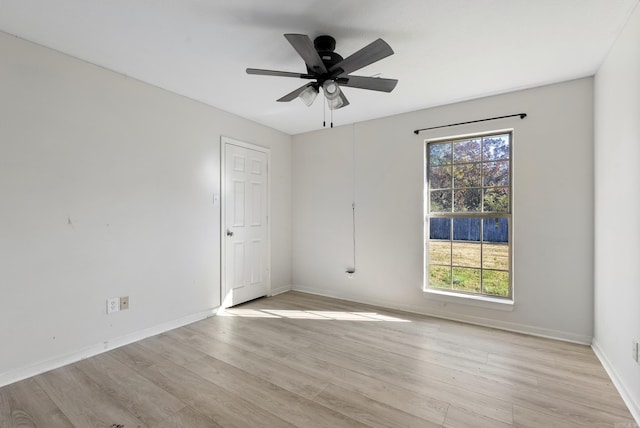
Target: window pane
<point>439,154</point>
<point>468,175</point>
<point>467,151</point>
<point>495,256</point>
<point>440,276</point>
<point>440,201</point>
<point>467,200</point>
<point>495,283</point>
<point>495,230</point>
<point>440,252</point>
<point>440,228</point>
<point>496,199</point>
<point>466,254</point>
<point>496,173</point>
<point>466,229</point>
<point>495,147</point>
<point>440,177</point>
<point>465,279</point>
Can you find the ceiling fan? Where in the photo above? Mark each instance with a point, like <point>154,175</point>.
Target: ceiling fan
<point>330,71</point>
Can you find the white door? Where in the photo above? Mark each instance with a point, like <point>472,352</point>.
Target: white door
<point>245,228</point>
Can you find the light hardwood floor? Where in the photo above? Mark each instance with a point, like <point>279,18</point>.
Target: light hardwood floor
<point>297,360</point>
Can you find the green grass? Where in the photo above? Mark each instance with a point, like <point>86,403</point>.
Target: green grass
<point>475,269</point>
<point>465,279</point>
<point>495,282</point>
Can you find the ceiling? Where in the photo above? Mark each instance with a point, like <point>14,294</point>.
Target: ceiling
<point>445,51</point>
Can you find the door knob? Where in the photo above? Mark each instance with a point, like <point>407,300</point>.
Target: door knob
<point>229,233</point>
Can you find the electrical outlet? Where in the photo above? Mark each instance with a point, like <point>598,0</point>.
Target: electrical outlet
<point>124,303</point>
<point>113,305</point>
<point>634,350</point>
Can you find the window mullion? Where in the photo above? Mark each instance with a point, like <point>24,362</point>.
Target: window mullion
<point>451,253</point>
<point>481,256</point>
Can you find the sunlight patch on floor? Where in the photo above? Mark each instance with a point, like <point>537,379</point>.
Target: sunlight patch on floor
<point>309,315</point>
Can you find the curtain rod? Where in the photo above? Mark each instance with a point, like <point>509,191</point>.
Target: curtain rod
<point>522,116</point>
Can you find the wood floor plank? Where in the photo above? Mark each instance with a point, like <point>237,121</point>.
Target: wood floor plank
<point>370,412</point>
<point>293,408</point>
<point>148,402</point>
<point>187,418</point>
<point>425,381</point>
<point>162,344</point>
<point>481,403</point>
<point>433,380</point>
<point>472,362</point>
<point>222,406</point>
<point>269,369</point>
<point>300,360</point>
<point>83,401</point>
<point>602,397</point>
<point>462,418</point>
<point>412,402</point>
<point>570,375</point>
<point>417,379</point>
<point>137,356</point>
<point>527,418</point>
<point>25,405</point>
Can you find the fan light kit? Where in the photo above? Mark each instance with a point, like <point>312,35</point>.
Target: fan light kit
<point>330,71</point>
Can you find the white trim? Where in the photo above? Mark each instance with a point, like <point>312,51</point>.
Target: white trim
<point>22,373</point>
<point>469,300</point>
<point>634,407</point>
<point>485,322</point>
<point>224,141</point>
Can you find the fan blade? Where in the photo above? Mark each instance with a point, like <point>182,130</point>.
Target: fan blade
<point>304,46</point>
<point>369,54</point>
<point>293,95</point>
<point>372,83</point>
<point>261,72</point>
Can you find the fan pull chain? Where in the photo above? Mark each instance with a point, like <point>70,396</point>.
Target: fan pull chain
<point>332,118</point>
<point>324,115</point>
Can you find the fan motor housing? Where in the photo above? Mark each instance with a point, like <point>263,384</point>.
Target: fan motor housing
<point>324,43</point>
<point>325,46</point>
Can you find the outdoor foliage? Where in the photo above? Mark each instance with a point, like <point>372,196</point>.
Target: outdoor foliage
<point>470,175</point>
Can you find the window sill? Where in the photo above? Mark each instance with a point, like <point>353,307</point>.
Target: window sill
<point>463,299</point>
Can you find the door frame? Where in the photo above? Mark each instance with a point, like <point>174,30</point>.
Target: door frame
<point>224,142</point>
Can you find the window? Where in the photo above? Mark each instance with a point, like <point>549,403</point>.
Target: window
<point>468,215</point>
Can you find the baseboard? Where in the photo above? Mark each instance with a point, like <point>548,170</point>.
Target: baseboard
<point>632,404</point>
<point>280,290</point>
<point>485,322</point>
<point>62,360</point>
<point>530,330</point>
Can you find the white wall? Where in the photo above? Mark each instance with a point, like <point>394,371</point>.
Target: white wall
<point>553,209</point>
<point>617,211</point>
<point>106,189</point>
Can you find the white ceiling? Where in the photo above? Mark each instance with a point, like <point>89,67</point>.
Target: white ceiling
<point>445,50</point>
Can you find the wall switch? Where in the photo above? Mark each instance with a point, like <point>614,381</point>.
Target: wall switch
<point>634,350</point>
<point>113,305</point>
<point>124,303</point>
